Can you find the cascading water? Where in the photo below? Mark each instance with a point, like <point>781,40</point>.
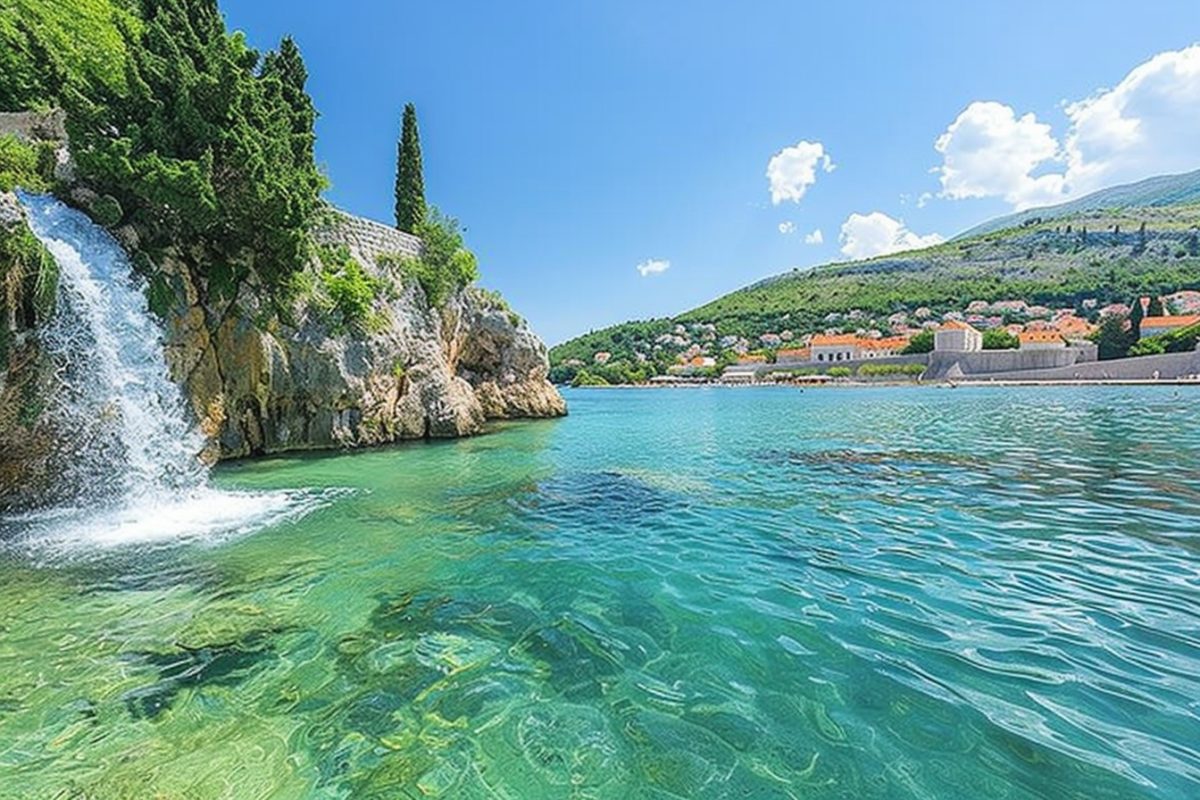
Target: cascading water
<point>112,353</point>
<point>137,477</point>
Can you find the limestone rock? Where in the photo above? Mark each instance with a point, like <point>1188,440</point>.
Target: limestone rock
<point>420,373</point>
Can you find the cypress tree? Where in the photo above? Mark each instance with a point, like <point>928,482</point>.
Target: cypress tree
<point>288,66</point>
<point>1156,308</point>
<point>1135,321</point>
<point>410,185</point>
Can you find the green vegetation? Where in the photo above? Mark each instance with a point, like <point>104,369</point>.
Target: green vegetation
<point>445,264</point>
<point>921,343</point>
<point>410,183</point>
<point>1114,337</point>
<point>181,127</point>
<point>347,291</point>
<point>999,339</point>
<point>1043,262</point>
<point>586,378</point>
<point>28,283</point>
<point>25,164</point>
<point>840,372</point>
<point>1177,341</point>
<point>889,370</point>
<point>49,49</point>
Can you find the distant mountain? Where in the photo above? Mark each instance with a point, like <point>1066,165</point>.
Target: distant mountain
<point>1100,249</point>
<point>1164,190</point>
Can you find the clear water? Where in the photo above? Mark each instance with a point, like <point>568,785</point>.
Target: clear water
<point>742,593</point>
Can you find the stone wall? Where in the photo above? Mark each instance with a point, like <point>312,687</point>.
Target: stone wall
<point>369,239</point>
<point>1169,366</point>
<point>34,125</point>
<point>947,365</point>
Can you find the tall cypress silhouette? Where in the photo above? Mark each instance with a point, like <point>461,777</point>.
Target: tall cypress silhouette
<point>410,184</point>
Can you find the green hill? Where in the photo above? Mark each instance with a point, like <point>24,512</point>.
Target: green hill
<point>1101,249</point>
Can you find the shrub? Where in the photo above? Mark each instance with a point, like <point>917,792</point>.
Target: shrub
<point>350,291</point>
<point>999,339</point>
<point>445,264</point>
<point>585,378</point>
<point>883,370</point>
<point>840,372</point>
<point>23,165</point>
<point>921,343</point>
<point>1177,341</point>
<point>106,210</point>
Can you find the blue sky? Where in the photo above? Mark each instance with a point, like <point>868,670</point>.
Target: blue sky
<point>577,141</point>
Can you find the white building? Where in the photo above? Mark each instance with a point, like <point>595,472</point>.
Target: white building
<point>957,336</point>
<point>839,347</point>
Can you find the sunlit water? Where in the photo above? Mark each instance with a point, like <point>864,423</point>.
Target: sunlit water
<point>753,593</point>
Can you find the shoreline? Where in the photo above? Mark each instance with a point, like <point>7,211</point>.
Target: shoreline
<point>1005,382</point>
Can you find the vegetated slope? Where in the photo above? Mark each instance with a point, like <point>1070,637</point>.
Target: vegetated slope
<point>1083,259</point>
<point>1162,190</point>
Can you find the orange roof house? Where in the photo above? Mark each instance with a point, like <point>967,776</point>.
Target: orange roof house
<point>1040,339</point>
<point>834,340</point>
<point>1153,326</point>
<point>885,343</point>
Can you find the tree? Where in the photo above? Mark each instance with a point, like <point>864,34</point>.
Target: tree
<point>1112,338</point>
<point>921,343</point>
<point>999,339</point>
<point>1135,320</point>
<point>288,66</point>
<point>203,145</point>
<point>1156,307</point>
<point>410,184</point>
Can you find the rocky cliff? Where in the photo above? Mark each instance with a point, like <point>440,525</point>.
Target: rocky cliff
<point>418,371</point>
<point>268,374</point>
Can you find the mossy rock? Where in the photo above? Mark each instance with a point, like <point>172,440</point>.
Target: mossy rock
<point>107,211</point>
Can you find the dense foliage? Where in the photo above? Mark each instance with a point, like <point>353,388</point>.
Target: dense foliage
<point>26,165</point>
<point>347,291</point>
<point>410,182</point>
<point>999,339</point>
<point>921,343</point>
<point>49,48</point>
<point>1177,341</point>
<point>445,264</point>
<point>185,130</point>
<point>28,282</point>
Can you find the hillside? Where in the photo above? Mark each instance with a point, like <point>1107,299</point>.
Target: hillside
<point>1162,190</point>
<point>1082,256</point>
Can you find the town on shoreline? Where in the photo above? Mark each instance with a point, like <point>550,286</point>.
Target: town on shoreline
<point>1009,342</point>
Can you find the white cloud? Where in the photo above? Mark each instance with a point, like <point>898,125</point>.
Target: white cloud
<point>988,152</point>
<point>877,234</point>
<point>816,237</point>
<point>1146,125</point>
<point>787,227</point>
<point>793,169</point>
<point>653,266</point>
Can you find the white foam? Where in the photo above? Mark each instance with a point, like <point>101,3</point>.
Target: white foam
<point>205,515</point>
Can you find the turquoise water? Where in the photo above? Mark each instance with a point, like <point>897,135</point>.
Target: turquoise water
<point>738,593</point>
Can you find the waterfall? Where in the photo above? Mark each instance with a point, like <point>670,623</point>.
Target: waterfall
<point>137,477</point>
<point>112,355</point>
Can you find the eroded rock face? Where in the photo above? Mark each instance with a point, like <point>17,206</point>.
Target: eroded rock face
<point>420,372</point>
